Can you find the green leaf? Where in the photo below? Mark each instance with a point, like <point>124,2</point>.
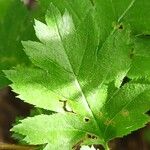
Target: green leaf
<point>79,74</point>
<point>109,122</point>
<point>68,63</point>
<point>58,130</point>
<point>75,7</point>
<point>111,12</point>
<point>15,26</point>
<point>11,33</point>
<point>3,7</point>
<point>141,58</point>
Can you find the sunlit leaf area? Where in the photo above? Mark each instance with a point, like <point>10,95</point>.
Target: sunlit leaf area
<point>74,75</point>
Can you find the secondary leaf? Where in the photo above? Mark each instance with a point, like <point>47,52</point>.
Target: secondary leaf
<point>110,12</point>
<point>141,58</point>
<point>15,26</point>
<point>11,33</point>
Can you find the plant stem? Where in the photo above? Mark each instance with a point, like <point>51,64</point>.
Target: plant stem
<point>106,147</point>
<point>16,147</point>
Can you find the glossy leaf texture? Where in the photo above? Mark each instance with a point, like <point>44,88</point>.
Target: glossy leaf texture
<point>80,67</point>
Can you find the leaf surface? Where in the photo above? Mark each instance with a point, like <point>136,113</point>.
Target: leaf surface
<point>80,67</point>
<point>15,26</point>
<point>141,58</point>
<point>109,122</point>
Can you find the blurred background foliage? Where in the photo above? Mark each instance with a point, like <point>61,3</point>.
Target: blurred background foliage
<point>16,25</point>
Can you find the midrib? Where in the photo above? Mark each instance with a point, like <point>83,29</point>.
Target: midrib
<point>105,77</point>
<point>76,80</point>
